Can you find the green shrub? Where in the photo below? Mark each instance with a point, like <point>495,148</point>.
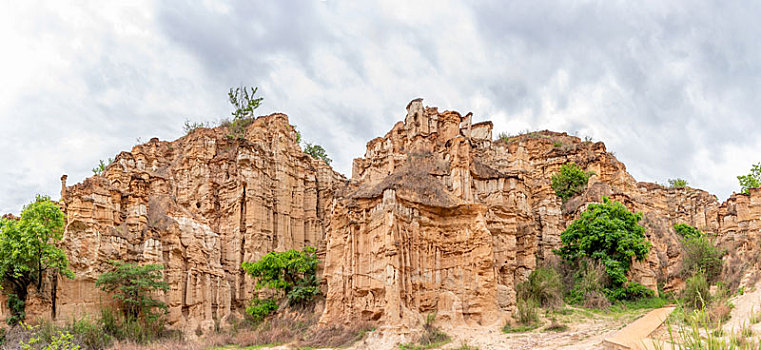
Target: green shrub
<point>317,152</point>
<point>191,126</point>
<point>261,308</point>
<point>589,281</point>
<point>752,180</point>
<point>101,166</point>
<point>90,334</point>
<point>677,183</point>
<point>570,181</point>
<point>543,286</point>
<point>687,231</point>
<point>293,272</point>
<point>700,255</point>
<point>244,103</point>
<point>59,341</point>
<point>632,291</point>
<point>608,233</point>
<point>696,293</point>
<point>528,313</point>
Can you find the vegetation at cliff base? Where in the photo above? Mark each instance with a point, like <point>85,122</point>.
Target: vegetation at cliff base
<point>28,250</point>
<point>752,180</point>
<point>610,234</point>
<point>701,256</point>
<point>291,274</point>
<point>133,287</point>
<point>570,181</point>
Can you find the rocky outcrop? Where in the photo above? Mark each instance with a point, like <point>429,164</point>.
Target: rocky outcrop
<point>437,217</point>
<point>200,206</point>
<point>440,217</point>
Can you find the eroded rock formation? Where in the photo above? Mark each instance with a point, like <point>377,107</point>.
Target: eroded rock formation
<point>437,216</point>
<point>200,206</point>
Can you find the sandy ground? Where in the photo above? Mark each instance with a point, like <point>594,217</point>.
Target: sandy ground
<point>586,331</point>
<point>745,306</point>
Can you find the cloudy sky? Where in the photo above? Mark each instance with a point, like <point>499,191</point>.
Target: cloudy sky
<point>672,87</point>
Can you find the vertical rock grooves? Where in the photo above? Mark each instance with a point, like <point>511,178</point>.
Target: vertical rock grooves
<point>437,216</point>
<point>242,246</point>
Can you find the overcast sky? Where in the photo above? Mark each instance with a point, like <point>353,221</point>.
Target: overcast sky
<point>672,87</point>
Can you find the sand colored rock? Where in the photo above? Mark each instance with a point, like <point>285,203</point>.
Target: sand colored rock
<point>200,206</point>
<point>436,217</point>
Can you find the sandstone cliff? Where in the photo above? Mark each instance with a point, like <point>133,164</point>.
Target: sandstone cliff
<point>200,206</point>
<point>437,216</point>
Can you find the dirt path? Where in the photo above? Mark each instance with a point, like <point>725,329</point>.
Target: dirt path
<point>745,306</point>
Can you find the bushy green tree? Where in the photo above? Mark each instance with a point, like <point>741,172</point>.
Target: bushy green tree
<point>677,183</point>
<point>244,103</point>
<point>570,181</point>
<point>134,287</point>
<point>608,233</point>
<point>317,152</point>
<point>28,249</point>
<point>752,180</point>
<point>292,272</point>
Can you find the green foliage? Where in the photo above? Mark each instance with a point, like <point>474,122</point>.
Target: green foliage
<point>293,272</point>
<point>261,308</point>
<point>696,292</point>
<point>677,183</point>
<point>18,309</point>
<point>432,336</point>
<point>687,231</point>
<point>557,144</point>
<point>133,286</point>
<point>701,256</point>
<point>631,291</point>
<point>60,341</point>
<point>191,126</point>
<point>589,281</point>
<point>317,152</point>
<point>542,286</point>
<point>101,166</point>
<point>752,180</point>
<point>90,334</point>
<point>610,234</point>
<point>244,103</point>
<point>527,311</point>
<point>570,181</point>
<point>28,249</point>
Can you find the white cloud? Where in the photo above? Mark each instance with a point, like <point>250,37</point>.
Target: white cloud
<point>670,87</point>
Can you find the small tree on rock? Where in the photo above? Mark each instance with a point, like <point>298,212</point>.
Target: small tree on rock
<point>570,181</point>
<point>317,152</point>
<point>752,180</point>
<point>133,287</point>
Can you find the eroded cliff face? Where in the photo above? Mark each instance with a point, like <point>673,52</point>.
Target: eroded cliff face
<point>200,206</point>
<point>437,217</point>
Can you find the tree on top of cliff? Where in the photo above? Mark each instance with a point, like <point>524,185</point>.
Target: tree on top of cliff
<point>752,180</point>
<point>317,152</point>
<point>244,103</point>
<point>570,181</point>
<point>609,233</point>
<point>28,248</point>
